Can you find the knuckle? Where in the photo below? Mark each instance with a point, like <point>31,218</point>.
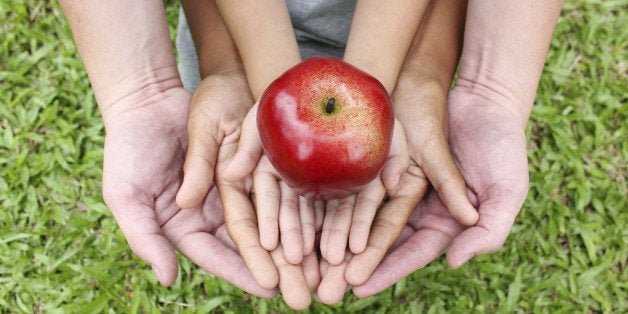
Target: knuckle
<point>242,226</point>
<point>383,226</point>
<point>377,247</point>
<point>367,202</point>
<point>333,232</point>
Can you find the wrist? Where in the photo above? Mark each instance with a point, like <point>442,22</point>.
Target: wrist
<point>229,68</point>
<point>138,89</point>
<point>126,49</point>
<point>423,97</point>
<point>484,99</point>
<point>431,71</point>
<point>506,44</point>
<point>485,82</point>
<point>265,42</point>
<point>385,75</point>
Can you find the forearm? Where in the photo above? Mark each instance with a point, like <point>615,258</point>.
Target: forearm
<point>435,51</point>
<point>126,49</point>
<point>263,33</point>
<point>215,48</point>
<point>506,44</point>
<point>380,36</point>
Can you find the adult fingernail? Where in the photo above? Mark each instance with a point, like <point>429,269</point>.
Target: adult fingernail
<point>157,273</point>
<point>463,260</point>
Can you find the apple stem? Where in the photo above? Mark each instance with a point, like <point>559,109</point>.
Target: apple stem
<point>329,108</point>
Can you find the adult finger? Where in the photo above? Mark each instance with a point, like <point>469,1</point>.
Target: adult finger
<point>367,202</point>
<point>434,229</point>
<point>267,200</point>
<point>242,228</point>
<point>497,216</point>
<point>138,223</point>
<point>292,282</point>
<point>311,272</point>
<point>387,226</point>
<point>216,257</point>
<point>290,224</point>
<point>333,284</point>
<point>444,176</point>
<point>338,230</point>
<point>200,162</point>
<point>417,251</point>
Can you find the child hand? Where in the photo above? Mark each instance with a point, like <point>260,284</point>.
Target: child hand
<point>282,215</point>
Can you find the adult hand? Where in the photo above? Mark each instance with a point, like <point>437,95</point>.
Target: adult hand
<point>144,152</point>
<point>488,143</point>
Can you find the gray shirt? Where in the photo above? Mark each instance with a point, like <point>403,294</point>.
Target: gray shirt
<point>321,29</point>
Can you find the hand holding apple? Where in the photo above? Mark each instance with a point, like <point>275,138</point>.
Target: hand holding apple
<point>270,196</point>
<point>326,127</point>
<point>274,199</point>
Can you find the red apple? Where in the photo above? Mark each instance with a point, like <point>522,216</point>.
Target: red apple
<point>326,127</point>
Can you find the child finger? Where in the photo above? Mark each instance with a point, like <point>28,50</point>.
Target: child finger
<point>290,224</point>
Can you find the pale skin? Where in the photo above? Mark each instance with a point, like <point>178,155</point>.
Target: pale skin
<point>140,94</point>
<point>268,213</point>
<point>270,269</point>
<point>127,52</point>
<point>395,61</point>
<point>393,27</point>
<point>386,69</point>
<point>265,56</point>
<point>297,281</point>
<point>505,48</point>
<point>289,216</point>
<point>420,103</point>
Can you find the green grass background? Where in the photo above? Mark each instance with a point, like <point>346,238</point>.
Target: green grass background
<point>61,251</point>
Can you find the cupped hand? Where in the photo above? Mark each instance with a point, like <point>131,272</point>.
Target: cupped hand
<point>488,143</point>
<point>420,106</point>
<point>422,129</point>
<point>217,109</point>
<point>144,152</point>
<point>348,221</point>
<point>271,267</point>
<point>283,216</point>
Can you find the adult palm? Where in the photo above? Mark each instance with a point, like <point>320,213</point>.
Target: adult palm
<point>145,148</point>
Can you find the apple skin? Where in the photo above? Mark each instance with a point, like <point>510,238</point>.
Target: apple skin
<point>322,148</point>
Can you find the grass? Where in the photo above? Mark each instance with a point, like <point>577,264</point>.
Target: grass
<point>61,251</point>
